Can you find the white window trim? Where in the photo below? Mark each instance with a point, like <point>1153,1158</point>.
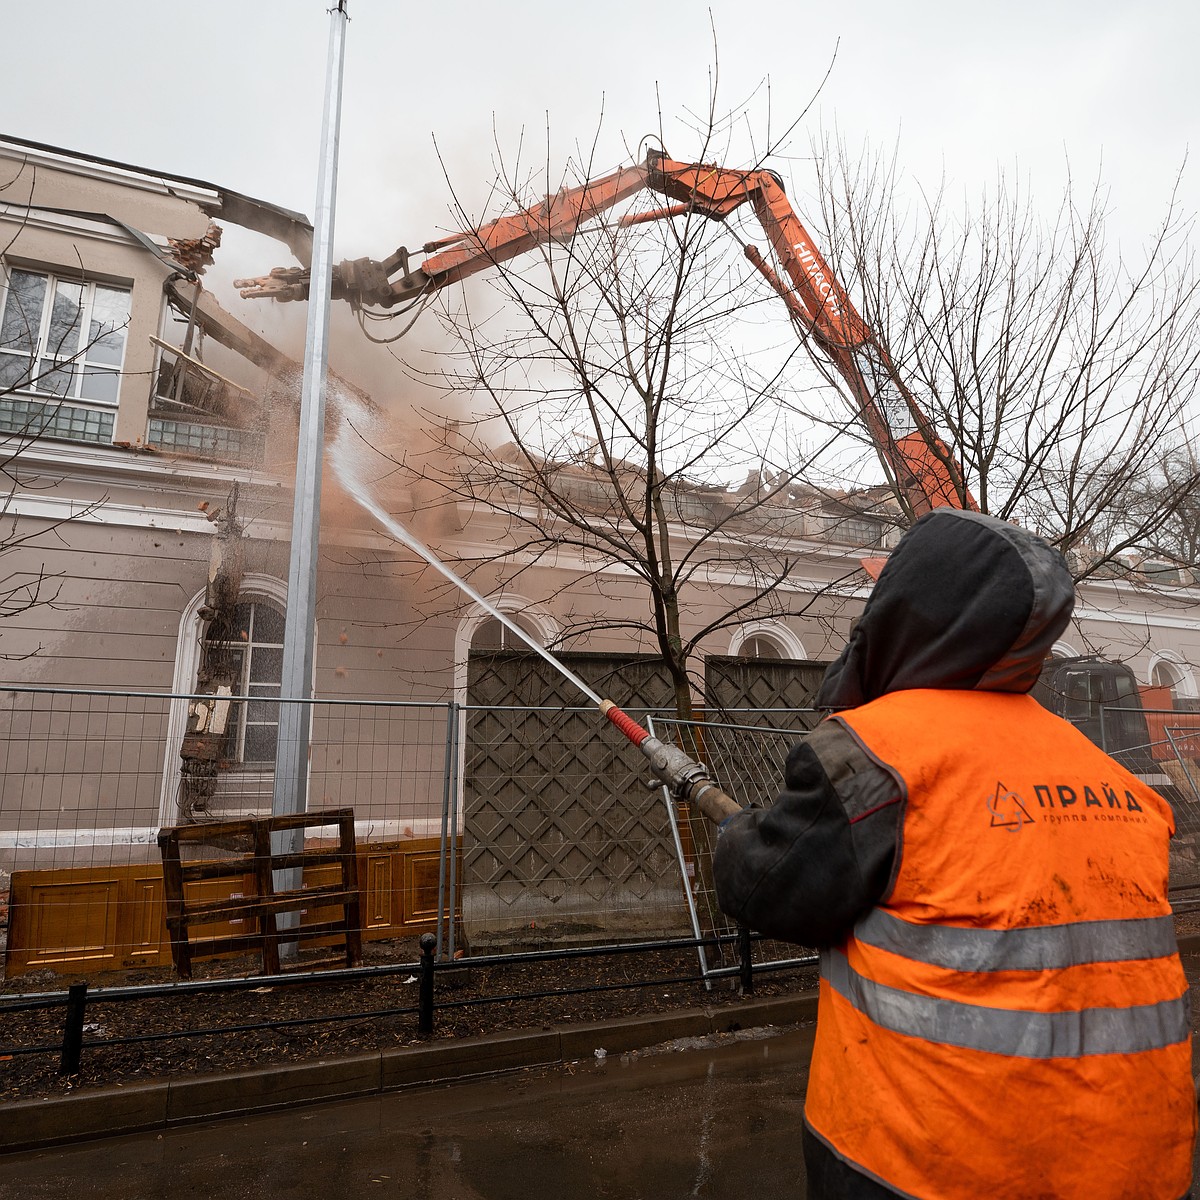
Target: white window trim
<point>1063,650</point>
<point>775,632</point>
<point>1185,689</point>
<point>545,628</point>
<point>42,350</point>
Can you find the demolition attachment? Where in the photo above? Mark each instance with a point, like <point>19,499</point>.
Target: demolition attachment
<point>687,779</point>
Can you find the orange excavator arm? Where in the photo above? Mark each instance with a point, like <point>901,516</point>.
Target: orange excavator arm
<point>365,281</point>
<point>922,468</point>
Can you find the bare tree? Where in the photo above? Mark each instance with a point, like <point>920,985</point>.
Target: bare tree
<point>654,415</point>
<point>36,373</point>
<point>1167,510</point>
<point>1058,372</point>
<point>625,393</point>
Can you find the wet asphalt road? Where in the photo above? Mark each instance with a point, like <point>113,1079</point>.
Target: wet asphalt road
<point>713,1122</point>
<point>718,1122</point>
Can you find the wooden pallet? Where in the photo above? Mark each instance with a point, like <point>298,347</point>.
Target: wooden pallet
<point>251,857</point>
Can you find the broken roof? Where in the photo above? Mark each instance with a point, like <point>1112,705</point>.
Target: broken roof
<point>292,228</point>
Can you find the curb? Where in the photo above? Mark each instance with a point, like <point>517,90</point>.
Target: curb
<point>108,1112</point>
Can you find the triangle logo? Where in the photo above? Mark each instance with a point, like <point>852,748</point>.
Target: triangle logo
<point>1008,810</point>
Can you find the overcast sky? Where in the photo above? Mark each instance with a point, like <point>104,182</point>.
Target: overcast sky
<point>230,90</point>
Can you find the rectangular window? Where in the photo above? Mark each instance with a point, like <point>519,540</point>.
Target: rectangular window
<point>39,418</point>
<point>61,337</point>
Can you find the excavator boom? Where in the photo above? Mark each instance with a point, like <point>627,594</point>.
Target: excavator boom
<point>921,467</point>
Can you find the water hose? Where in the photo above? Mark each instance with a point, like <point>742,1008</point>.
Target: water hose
<point>687,779</point>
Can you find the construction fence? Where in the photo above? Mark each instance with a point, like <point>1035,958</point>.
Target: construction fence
<point>494,827</point>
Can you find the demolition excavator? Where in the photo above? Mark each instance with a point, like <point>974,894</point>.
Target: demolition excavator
<point>923,472</point>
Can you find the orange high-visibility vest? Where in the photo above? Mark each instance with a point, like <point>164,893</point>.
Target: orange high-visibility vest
<point>1011,1021</point>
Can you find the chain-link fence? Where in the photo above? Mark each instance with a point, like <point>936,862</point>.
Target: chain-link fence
<point>747,757</point>
<point>494,827</point>
<point>1162,747</point>
<point>89,779</point>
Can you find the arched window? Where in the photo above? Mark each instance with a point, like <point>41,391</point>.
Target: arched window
<point>491,634</point>
<point>767,640</point>
<point>1165,674</point>
<point>759,646</point>
<point>245,654</point>
<point>1168,669</point>
<point>480,631</point>
<point>229,769</point>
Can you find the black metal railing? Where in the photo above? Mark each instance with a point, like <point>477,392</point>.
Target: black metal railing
<point>76,1000</point>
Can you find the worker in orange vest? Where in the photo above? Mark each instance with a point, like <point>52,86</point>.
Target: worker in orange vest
<point>1002,1011</point>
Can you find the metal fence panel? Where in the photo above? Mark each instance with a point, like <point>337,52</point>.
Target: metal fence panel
<point>561,843</point>
<point>747,755</point>
<point>88,778</point>
<point>1170,761</point>
<point>747,759</point>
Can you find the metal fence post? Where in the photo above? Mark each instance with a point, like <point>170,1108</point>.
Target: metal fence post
<point>72,1043</point>
<point>425,986</point>
<point>452,850</point>
<point>446,847</point>
<point>746,964</point>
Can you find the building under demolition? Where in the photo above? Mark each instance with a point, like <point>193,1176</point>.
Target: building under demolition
<point>148,439</point>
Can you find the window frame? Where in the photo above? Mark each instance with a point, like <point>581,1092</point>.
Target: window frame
<point>249,690</point>
<point>44,362</point>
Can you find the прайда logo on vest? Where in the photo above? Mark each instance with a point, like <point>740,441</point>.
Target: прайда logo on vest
<point>1008,810</point>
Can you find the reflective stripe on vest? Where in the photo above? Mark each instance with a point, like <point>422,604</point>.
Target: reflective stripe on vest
<point>1013,1032</point>
<point>1036,948</point>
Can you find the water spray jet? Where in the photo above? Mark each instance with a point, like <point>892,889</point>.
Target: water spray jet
<point>687,779</point>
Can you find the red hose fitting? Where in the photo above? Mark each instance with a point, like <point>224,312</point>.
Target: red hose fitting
<point>626,724</point>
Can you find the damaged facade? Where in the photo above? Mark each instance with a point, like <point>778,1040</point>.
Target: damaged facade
<point>148,440</point>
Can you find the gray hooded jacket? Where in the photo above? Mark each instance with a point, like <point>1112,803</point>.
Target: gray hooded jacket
<point>965,602</point>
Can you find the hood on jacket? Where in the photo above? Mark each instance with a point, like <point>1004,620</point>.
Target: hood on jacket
<point>965,601</point>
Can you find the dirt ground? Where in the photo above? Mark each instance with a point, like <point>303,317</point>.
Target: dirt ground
<point>364,1015</point>
<point>364,1012</point>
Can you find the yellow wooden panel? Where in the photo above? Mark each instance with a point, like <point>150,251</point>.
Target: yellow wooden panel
<point>144,921</point>
<point>202,891</point>
<point>72,920</point>
<point>376,879</point>
<point>83,919</point>
<point>420,896</point>
<point>322,875</point>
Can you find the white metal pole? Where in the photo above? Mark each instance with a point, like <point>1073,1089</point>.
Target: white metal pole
<point>291,756</point>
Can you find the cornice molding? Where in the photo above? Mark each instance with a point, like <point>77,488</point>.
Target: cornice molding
<point>72,225</point>
<point>87,168</point>
<point>78,460</point>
